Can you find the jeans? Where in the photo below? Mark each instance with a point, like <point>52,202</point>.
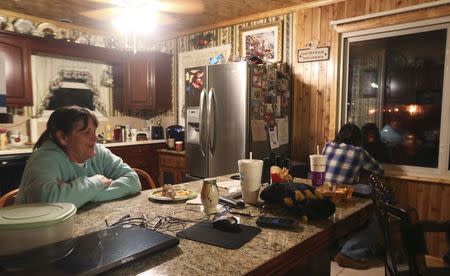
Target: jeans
<point>359,244</point>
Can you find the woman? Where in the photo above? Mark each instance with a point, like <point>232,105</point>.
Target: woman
<point>345,160</point>
<point>67,164</point>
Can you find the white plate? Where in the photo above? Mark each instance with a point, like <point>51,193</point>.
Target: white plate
<point>157,195</point>
<point>23,26</point>
<point>82,40</point>
<point>47,29</point>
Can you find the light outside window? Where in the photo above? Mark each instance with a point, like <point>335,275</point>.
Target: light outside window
<point>396,82</point>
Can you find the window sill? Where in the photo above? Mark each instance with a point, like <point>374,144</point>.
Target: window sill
<point>436,180</point>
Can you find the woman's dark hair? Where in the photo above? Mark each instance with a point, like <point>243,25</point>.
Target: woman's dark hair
<point>370,129</point>
<point>349,134</point>
<point>64,119</point>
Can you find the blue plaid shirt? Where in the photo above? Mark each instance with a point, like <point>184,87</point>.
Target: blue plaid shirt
<point>345,161</point>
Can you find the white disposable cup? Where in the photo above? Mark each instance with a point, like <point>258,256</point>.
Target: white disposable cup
<point>250,171</point>
<point>318,162</point>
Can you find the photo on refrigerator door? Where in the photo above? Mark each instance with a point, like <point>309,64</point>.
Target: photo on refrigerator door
<point>194,83</point>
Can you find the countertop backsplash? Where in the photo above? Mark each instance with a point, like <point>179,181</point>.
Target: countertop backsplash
<point>22,125</point>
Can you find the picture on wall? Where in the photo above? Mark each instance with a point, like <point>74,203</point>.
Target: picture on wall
<point>263,41</point>
<point>194,83</point>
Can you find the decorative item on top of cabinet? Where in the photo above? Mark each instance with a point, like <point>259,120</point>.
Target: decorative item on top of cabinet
<point>172,166</point>
<point>18,66</point>
<point>143,157</point>
<point>148,79</point>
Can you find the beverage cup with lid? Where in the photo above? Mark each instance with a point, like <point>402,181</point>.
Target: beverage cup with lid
<point>250,172</point>
<point>318,167</point>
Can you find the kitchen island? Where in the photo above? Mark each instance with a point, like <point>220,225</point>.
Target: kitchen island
<point>273,251</point>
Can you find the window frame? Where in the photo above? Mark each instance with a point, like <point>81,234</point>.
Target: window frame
<point>347,38</point>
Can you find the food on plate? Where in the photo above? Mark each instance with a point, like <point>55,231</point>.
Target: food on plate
<point>336,192</point>
<point>168,191</point>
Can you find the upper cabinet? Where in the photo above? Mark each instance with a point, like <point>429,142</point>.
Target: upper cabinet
<point>141,80</point>
<point>18,70</point>
<point>147,80</point>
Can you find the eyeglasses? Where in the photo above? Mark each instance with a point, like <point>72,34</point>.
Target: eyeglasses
<point>167,223</point>
<point>128,219</point>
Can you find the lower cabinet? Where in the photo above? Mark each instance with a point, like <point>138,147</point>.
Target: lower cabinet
<point>143,157</point>
<point>172,166</point>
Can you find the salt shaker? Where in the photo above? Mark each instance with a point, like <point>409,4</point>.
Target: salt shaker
<point>210,196</point>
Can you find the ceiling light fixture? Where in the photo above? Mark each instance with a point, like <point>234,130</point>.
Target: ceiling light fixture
<point>135,17</point>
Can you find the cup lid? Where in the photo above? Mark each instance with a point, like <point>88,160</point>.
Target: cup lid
<point>25,216</point>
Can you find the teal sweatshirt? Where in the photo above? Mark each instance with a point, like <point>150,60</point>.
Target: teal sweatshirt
<point>50,176</point>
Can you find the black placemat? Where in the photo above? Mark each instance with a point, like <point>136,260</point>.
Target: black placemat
<point>204,232</point>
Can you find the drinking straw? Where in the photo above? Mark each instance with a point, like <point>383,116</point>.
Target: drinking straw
<point>318,152</point>
<point>251,155</point>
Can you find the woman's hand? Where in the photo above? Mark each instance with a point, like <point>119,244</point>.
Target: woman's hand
<point>106,181</point>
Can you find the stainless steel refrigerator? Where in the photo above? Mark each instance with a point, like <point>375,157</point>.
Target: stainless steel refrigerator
<point>221,101</point>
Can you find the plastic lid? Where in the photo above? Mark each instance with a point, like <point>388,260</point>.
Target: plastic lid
<point>26,216</point>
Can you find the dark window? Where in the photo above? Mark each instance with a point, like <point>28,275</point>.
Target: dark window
<point>71,96</point>
<point>397,83</point>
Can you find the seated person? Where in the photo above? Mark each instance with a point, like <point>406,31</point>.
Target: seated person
<point>346,157</point>
<point>371,141</point>
<point>392,133</point>
<point>345,160</point>
<point>67,164</point>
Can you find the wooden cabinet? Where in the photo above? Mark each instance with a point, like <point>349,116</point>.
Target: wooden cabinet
<point>148,81</point>
<point>18,70</point>
<point>140,156</point>
<point>141,81</point>
<point>172,166</point>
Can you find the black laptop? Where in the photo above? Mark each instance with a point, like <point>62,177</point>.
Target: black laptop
<point>89,254</point>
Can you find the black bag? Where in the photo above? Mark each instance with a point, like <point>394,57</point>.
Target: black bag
<point>303,199</point>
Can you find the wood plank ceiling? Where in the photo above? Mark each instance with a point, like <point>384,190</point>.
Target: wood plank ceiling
<point>215,12</point>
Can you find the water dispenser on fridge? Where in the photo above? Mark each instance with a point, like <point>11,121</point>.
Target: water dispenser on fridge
<point>193,147</point>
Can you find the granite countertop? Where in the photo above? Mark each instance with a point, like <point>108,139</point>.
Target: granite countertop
<point>29,148</point>
<point>194,258</point>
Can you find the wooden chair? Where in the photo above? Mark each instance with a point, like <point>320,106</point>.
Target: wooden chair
<point>404,235</point>
<point>8,198</point>
<point>146,180</point>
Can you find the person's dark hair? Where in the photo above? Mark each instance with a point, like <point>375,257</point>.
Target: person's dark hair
<point>64,119</point>
<point>349,134</point>
<point>370,129</point>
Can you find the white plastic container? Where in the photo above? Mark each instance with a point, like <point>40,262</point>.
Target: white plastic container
<point>26,226</point>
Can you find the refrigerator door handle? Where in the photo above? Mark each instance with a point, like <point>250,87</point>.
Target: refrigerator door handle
<point>212,120</point>
<point>201,124</point>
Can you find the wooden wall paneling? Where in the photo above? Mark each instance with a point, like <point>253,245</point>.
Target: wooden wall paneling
<point>431,202</point>
<point>323,77</point>
<point>390,20</point>
<point>315,93</point>
<point>316,100</point>
<point>338,10</point>
<point>306,88</point>
<point>314,125</point>
<point>355,8</point>
<point>387,4</point>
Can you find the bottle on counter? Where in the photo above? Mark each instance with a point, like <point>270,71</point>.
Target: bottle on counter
<point>109,133</point>
<point>3,139</point>
<point>210,196</point>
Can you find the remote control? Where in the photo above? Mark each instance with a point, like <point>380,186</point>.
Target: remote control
<point>275,222</point>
